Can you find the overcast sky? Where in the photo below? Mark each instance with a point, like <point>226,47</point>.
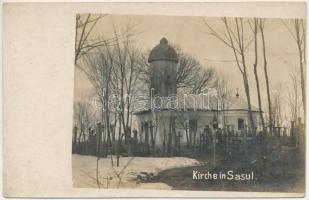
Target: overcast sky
<point>191,35</point>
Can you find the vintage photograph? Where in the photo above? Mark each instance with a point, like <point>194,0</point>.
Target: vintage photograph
<point>189,103</point>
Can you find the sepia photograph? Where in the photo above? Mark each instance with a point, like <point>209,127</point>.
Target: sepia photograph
<point>189,103</point>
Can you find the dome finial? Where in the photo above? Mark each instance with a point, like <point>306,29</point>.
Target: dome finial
<point>163,51</point>
<point>163,41</point>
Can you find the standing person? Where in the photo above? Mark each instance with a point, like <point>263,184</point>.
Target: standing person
<point>135,136</point>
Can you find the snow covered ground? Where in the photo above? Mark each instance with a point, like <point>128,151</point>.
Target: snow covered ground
<point>84,170</point>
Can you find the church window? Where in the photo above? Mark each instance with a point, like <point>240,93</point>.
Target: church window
<point>241,124</point>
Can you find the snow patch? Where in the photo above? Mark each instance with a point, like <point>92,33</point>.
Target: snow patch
<point>84,171</point>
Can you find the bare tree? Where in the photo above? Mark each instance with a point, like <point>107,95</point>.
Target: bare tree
<point>191,75</point>
<point>98,67</point>
<point>125,76</point>
<point>235,38</point>
<point>82,118</point>
<point>111,70</point>
<point>261,28</point>
<point>224,96</point>
<point>294,96</point>
<point>254,27</point>
<point>83,29</point>
<point>297,29</point>
<point>85,38</point>
<point>277,107</point>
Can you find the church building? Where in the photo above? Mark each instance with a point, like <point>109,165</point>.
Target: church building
<point>171,119</point>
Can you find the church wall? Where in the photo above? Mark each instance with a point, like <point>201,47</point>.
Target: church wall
<point>233,116</point>
<point>203,118</point>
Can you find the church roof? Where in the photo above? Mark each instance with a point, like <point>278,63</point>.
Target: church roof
<point>238,103</point>
<point>163,51</point>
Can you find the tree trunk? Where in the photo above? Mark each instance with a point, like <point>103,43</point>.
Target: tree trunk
<point>247,91</point>
<point>118,143</point>
<point>98,143</point>
<point>302,75</point>
<point>256,73</point>
<point>266,78</point>
<point>187,136</point>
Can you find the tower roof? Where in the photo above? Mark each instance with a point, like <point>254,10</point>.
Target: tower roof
<point>163,51</point>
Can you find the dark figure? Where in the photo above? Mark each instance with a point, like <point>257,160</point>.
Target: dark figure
<point>220,136</point>
<point>134,141</point>
<point>92,142</point>
<point>202,141</point>
<point>209,136</point>
<point>135,136</point>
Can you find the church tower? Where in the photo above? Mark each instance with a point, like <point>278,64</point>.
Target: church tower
<point>163,60</point>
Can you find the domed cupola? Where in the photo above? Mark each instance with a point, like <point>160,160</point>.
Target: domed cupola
<point>163,60</point>
<point>163,51</point>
